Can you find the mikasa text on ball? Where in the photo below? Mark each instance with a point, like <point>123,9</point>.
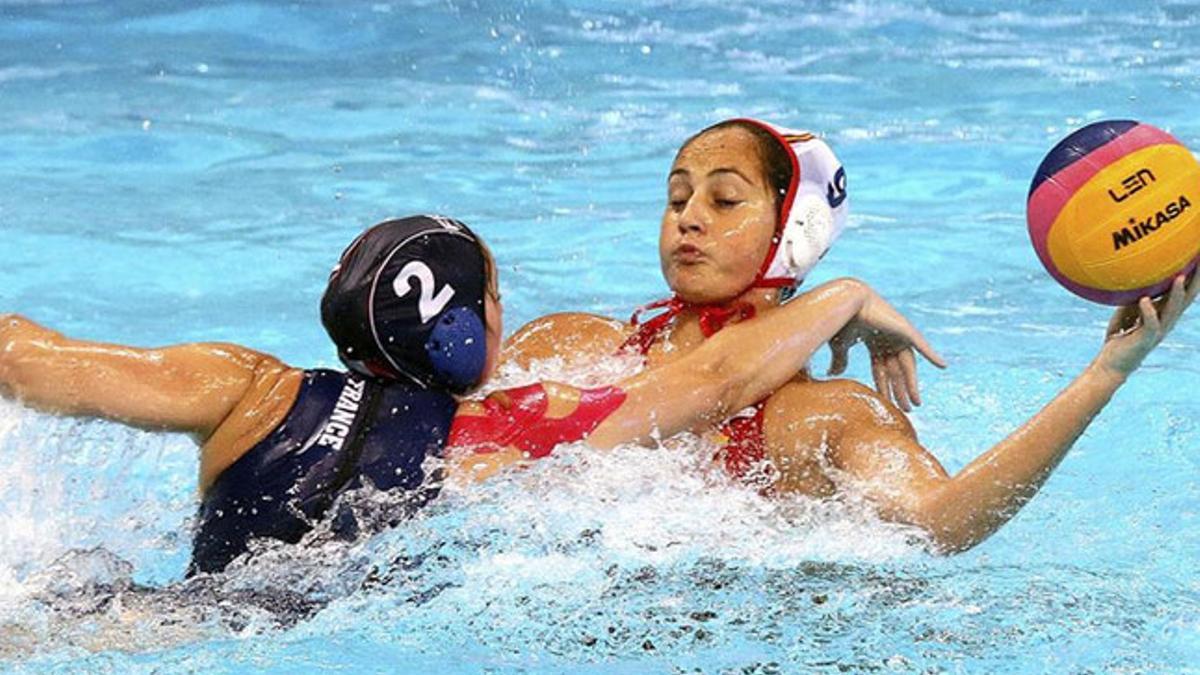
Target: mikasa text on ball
<point>1114,211</point>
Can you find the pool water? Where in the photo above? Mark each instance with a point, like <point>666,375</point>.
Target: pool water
<point>173,172</point>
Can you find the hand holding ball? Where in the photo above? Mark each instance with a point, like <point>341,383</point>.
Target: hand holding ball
<point>1114,211</point>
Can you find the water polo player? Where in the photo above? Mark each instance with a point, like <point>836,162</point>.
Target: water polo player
<point>413,309</point>
<point>750,209</point>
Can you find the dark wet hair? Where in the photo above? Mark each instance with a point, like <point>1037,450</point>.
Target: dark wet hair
<point>775,162</point>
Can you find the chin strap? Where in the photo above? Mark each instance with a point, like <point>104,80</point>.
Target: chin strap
<point>712,319</point>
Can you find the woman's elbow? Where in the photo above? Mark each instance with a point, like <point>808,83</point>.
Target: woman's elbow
<point>10,329</point>
<point>948,543</point>
<point>844,285</point>
<point>946,534</point>
<point>20,339</point>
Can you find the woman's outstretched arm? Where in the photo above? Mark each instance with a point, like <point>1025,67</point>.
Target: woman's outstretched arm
<point>189,388</point>
<point>959,512</point>
<point>745,362</point>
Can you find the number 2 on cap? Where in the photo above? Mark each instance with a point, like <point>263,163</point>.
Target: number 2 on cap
<point>428,304</point>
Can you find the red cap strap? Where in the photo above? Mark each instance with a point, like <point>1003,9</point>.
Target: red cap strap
<point>785,212</point>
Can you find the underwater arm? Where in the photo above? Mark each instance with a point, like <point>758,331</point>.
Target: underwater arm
<point>184,388</point>
<point>962,511</point>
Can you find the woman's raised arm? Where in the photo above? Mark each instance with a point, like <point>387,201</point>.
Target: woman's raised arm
<point>735,368</point>
<point>745,362</point>
<point>959,512</point>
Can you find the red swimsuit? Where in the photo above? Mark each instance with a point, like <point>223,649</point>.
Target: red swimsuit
<point>746,444</point>
<point>523,423</point>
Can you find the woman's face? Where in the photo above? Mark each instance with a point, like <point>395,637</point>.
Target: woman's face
<point>719,220</point>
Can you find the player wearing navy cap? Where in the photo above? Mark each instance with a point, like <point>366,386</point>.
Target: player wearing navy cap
<point>369,310</point>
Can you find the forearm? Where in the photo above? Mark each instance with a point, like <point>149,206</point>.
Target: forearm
<point>988,492</point>
<point>41,368</point>
<point>754,359</point>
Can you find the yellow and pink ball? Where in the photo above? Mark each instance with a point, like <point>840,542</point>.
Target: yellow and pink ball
<point>1114,211</point>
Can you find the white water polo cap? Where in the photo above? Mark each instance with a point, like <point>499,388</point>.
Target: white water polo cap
<point>813,212</point>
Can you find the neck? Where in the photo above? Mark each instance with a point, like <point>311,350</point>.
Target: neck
<point>761,299</point>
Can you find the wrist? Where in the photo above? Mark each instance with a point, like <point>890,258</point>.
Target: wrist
<point>1107,371</point>
<point>858,293</point>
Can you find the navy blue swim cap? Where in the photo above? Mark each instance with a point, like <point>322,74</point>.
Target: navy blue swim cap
<point>406,302</point>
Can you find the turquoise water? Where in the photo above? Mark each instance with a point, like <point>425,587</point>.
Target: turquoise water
<point>174,173</point>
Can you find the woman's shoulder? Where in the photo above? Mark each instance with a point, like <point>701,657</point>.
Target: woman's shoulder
<point>269,397</point>
<point>570,335</point>
<point>840,400</point>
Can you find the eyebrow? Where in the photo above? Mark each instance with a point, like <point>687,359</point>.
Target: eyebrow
<point>719,170</point>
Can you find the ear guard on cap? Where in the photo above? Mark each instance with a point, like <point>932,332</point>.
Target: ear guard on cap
<point>457,347</point>
<point>813,212</point>
<point>807,237</point>
<point>406,301</point>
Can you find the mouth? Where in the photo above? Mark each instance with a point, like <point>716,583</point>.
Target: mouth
<point>688,254</point>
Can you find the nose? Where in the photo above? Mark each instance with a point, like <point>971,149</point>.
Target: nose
<point>693,219</point>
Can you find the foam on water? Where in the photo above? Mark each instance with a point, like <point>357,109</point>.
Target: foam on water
<point>560,534</point>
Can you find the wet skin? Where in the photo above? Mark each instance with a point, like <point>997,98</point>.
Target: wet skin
<point>230,397</point>
<point>819,435</point>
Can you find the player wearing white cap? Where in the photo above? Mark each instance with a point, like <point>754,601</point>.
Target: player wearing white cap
<point>750,209</point>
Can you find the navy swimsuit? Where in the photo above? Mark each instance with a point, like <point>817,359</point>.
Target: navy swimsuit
<point>343,431</point>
